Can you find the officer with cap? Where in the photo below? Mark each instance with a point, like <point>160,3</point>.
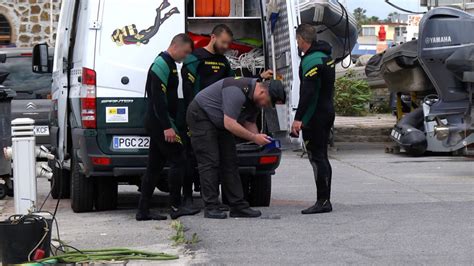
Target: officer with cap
<point>226,108</point>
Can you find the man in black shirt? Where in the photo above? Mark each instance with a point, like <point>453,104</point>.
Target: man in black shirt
<point>315,113</point>
<point>201,69</point>
<point>166,145</point>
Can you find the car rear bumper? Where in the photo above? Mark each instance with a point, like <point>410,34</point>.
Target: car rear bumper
<point>86,147</point>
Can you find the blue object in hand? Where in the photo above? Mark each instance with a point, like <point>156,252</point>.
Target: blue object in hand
<point>275,143</point>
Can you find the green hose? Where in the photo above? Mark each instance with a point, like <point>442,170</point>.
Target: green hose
<point>116,254</point>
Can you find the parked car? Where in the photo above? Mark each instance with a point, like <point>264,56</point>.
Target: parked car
<point>33,90</point>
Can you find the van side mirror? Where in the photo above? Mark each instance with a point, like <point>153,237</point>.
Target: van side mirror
<point>3,58</point>
<point>41,62</point>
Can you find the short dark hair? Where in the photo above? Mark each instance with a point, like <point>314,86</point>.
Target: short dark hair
<point>307,32</point>
<point>219,29</point>
<point>182,38</point>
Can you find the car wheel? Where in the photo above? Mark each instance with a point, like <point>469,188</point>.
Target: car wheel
<point>260,190</point>
<point>60,184</point>
<point>106,190</point>
<point>82,189</point>
<point>3,191</point>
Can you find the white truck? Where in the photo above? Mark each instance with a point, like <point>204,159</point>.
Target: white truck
<point>103,51</point>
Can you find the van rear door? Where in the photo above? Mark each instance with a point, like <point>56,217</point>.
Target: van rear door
<point>131,34</point>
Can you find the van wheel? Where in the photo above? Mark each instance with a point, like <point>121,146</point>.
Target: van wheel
<point>106,190</point>
<point>260,190</point>
<point>60,184</point>
<point>82,189</point>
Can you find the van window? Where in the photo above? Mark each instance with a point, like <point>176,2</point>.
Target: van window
<point>28,85</point>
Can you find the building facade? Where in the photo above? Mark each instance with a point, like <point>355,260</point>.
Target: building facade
<point>25,23</point>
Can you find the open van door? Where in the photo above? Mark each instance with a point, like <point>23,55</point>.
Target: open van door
<point>60,89</point>
<point>131,35</point>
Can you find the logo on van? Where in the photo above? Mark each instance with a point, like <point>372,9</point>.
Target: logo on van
<point>130,35</point>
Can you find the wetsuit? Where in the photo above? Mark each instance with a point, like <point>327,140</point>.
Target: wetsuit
<point>316,111</point>
<point>163,111</point>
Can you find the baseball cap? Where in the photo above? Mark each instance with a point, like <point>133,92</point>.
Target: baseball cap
<point>277,91</point>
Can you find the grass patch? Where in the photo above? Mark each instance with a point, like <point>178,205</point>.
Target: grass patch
<point>179,238</point>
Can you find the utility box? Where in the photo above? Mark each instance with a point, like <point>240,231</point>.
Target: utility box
<point>6,96</point>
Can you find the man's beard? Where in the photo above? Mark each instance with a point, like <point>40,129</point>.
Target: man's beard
<point>217,50</point>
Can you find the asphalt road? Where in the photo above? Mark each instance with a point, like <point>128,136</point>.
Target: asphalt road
<point>388,209</point>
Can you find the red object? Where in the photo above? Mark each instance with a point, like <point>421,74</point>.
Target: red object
<point>88,99</point>
<point>221,8</point>
<point>88,76</point>
<point>268,159</point>
<point>203,40</point>
<point>101,160</point>
<point>39,254</point>
<point>382,34</point>
<point>204,8</point>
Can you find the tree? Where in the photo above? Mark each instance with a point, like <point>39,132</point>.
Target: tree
<point>373,19</point>
<point>392,16</point>
<point>360,16</point>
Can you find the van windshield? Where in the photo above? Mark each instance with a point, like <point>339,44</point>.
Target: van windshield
<point>28,85</point>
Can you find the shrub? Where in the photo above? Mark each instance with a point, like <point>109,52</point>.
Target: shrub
<point>352,96</point>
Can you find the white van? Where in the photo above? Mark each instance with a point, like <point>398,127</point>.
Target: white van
<point>103,51</point>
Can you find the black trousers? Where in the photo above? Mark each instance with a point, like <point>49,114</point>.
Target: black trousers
<point>316,139</point>
<point>216,156</point>
<point>191,167</point>
<point>159,153</point>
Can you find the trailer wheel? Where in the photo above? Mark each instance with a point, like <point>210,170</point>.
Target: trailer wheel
<point>106,190</point>
<point>260,190</point>
<point>82,189</point>
<point>60,187</point>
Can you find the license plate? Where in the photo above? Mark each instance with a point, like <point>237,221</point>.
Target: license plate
<point>130,142</point>
<point>41,131</point>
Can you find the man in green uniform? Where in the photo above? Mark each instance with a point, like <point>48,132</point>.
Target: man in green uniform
<point>315,113</point>
<point>161,121</point>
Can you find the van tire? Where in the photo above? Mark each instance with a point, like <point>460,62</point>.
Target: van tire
<point>60,187</point>
<point>260,190</point>
<point>106,190</point>
<point>82,189</point>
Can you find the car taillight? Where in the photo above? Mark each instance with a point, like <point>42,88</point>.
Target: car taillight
<point>88,99</point>
<point>268,159</point>
<point>100,160</point>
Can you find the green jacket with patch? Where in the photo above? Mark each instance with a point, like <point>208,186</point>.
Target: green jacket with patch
<point>317,76</point>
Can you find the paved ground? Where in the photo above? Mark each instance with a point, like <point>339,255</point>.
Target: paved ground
<point>389,209</point>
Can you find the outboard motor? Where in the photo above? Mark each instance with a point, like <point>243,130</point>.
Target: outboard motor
<point>446,53</point>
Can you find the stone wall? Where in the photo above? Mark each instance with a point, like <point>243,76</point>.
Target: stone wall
<point>30,20</point>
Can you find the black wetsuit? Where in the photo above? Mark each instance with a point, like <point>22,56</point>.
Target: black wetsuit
<point>316,111</point>
<point>163,111</point>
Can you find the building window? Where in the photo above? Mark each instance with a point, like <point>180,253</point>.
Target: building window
<point>368,31</point>
<point>5,30</point>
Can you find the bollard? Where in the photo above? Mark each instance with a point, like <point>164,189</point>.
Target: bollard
<point>24,165</point>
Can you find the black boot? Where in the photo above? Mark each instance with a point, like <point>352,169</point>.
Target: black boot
<point>321,206</point>
<point>245,213</point>
<point>182,211</point>
<point>215,214</point>
<point>147,216</point>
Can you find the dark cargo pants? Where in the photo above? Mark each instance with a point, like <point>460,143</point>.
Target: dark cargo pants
<point>216,155</point>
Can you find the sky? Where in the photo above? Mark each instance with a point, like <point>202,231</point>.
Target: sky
<point>381,9</point>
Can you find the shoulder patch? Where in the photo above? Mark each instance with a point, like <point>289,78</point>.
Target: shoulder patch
<point>313,60</point>
<point>161,69</point>
<point>191,63</point>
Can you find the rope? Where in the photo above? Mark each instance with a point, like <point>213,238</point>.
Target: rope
<point>253,60</point>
